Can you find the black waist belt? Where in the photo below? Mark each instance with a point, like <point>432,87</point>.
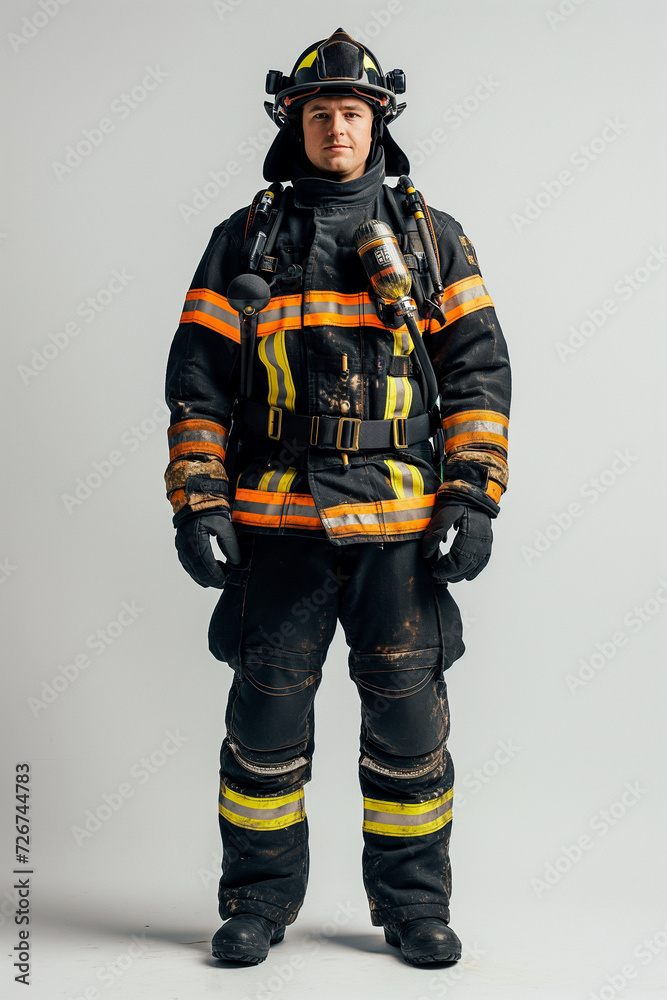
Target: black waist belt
<point>341,433</point>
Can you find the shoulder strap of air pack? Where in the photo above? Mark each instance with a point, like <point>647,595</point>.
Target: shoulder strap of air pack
<point>411,244</point>
<point>262,225</point>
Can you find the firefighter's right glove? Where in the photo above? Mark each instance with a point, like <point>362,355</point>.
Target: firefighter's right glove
<point>471,549</point>
<point>193,543</point>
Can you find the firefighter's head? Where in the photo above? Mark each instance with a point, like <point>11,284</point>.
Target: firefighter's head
<point>337,135</point>
<point>329,75</point>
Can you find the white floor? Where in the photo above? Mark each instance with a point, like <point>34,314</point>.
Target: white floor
<point>174,965</point>
<point>129,911</point>
<point>85,950</point>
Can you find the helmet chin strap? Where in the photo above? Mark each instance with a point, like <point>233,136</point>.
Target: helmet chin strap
<point>377,131</point>
<point>295,131</point>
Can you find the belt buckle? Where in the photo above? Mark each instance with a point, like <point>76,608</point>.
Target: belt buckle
<point>314,430</point>
<point>275,423</point>
<point>355,423</point>
<point>399,432</point>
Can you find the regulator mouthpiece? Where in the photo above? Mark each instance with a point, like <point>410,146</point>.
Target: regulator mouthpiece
<point>248,293</point>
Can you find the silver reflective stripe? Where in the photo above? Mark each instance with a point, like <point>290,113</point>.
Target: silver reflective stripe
<point>360,519</point>
<point>416,514</point>
<point>409,487</point>
<point>406,340</point>
<point>184,436</point>
<point>476,292</point>
<point>274,509</point>
<point>400,397</point>
<point>252,507</point>
<point>259,813</point>
<point>271,485</point>
<point>296,510</point>
<point>289,765</point>
<point>201,305</point>
<point>404,819</point>
<point>476,427</point>
<point>389,517</point>
<point>270,348</point>
<point>279,313</point>
<point>338,308</point>
<point>407,772</point>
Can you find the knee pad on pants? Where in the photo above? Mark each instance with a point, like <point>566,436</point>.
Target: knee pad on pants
<point>420,783</point>
<point>404,703</point>
<point>402,769</point>
<point>265,771</point>
<point>270,704</point>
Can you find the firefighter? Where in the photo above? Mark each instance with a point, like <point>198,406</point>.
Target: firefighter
<point>304,439</point>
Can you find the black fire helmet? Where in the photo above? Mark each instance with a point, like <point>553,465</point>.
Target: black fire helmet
<point>337,66</point>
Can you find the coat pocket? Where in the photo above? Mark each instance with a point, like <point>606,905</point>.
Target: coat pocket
<point>451,626</point>
<point>225,631</point>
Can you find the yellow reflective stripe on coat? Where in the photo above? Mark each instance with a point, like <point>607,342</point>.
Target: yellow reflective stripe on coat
<point>407,819</point>
<point>273,812</point>
<point>471,427</point>
<point>399,390</point>
<point>465,296</point>
<point>277,480</point>
<point>273,356</point>
<point>406,480</point>
<point>399,397</point>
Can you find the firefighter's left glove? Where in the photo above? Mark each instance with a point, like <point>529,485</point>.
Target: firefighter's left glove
<point>193,543</point>
<point>470,550</point>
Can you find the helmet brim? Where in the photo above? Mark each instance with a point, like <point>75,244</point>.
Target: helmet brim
<point>290,100</point>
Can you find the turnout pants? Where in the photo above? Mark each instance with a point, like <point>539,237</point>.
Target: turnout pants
<point>273,624</point>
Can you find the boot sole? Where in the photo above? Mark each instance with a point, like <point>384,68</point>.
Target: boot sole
<point>239,953</point>
<point>422,956</point>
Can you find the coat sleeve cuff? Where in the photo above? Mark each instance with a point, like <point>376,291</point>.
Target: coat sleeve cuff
<point>196,485</point>
<point>197,437</point>
<point>459,491</point>
<point>476,478</point>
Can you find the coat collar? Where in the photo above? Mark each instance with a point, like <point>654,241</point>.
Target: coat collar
<point>320,192</point>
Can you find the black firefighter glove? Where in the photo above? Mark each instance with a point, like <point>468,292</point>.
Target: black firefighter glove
<point>471,549</point>
<point>194,547</point>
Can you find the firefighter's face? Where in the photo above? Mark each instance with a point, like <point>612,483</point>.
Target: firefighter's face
<point>337,135</point>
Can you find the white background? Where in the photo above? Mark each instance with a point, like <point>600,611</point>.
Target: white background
<point>518,92</point>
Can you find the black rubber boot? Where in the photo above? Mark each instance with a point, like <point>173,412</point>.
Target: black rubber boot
<point>246,938</point>
<point>426,940</point>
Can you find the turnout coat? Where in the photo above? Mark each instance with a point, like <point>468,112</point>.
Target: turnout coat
<point>295,457</point>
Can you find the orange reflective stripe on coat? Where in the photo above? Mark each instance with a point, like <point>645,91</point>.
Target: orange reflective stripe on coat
<point>268,509</point>
<point>214,311</point>
<point>284,313</point>
<point>197,437</point>
<point>348,310</point>
<point>464,297</point>
<point>381,518</point>
<point>471,427</point>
